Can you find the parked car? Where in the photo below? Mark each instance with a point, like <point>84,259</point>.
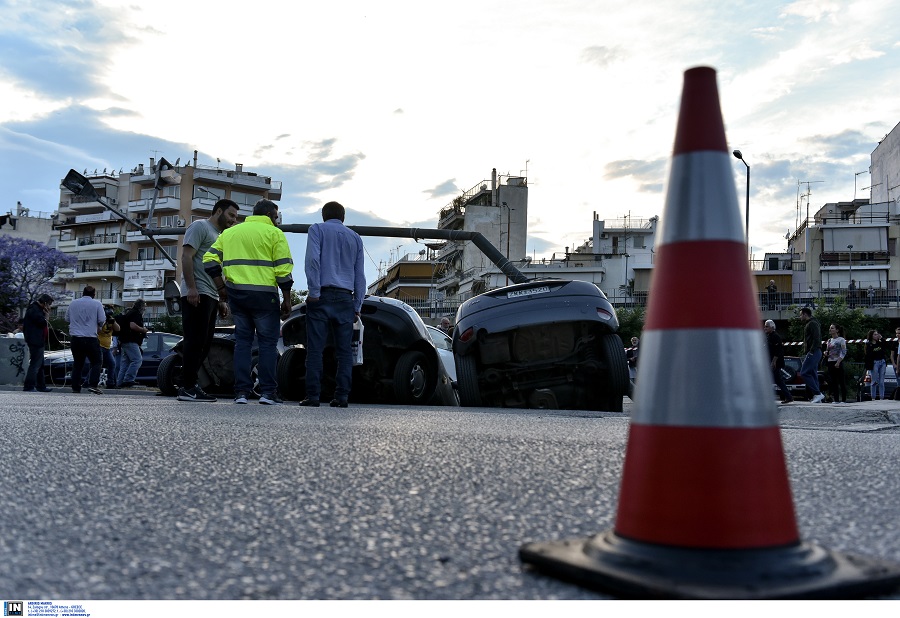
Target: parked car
<point>216,375</point>
<point>864,385</point>
<point>794,381</point>
<point>155,348</point>
<point>400,361</point>
<point>542,344</point>
<point>444,345</point>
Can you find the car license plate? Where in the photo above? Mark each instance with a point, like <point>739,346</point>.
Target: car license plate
<point>529,292</point>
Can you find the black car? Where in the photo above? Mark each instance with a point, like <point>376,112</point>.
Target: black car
<point>794,381</point>
<point>542,344</point>
<point>864,384</point>
<point>400,361</point>
<point>154,350</point>
<point>216,374</point>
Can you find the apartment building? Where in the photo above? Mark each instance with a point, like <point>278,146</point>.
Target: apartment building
<point>117,259</point>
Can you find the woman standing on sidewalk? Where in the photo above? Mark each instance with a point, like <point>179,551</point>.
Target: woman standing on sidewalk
<point>876,362</point>
<point>836,351</point>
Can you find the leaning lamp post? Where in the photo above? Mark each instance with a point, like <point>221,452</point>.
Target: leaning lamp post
<point>737,154</point>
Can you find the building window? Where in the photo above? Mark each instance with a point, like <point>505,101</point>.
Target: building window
<point>164,191</point>
<point>245,199</point>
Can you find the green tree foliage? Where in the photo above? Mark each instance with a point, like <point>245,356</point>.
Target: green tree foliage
<point>169,324</point>
<point>631,323</point>
<point>298,297</point>
<point>855,322</point>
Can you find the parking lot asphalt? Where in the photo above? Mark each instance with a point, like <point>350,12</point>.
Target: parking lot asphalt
<point>851,416</point>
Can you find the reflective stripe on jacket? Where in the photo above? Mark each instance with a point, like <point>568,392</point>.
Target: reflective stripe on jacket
<point>254,255</point>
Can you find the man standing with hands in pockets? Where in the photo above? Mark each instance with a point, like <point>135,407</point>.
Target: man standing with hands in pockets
<point>337,285</point>
<point>201,300</point>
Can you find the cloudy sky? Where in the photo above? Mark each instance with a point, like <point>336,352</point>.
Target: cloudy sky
<point>395,107</point>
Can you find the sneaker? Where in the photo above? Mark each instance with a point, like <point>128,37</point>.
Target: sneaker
<point>241,398</point>
<point>95,390</point>
<point>310,403</point>
<point>194,394</point>
<point>44,390</point>
<point>817,399</point>
<point>270,400</point>
<point>338,403</point>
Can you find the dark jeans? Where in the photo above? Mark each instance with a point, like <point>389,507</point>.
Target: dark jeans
<point>252,317</point>
<point>837,383</point>
<point>199,324</point>
<point>85,348</point>
<point>809,371</point>
<point>34,377</point>
<point>332,313</point>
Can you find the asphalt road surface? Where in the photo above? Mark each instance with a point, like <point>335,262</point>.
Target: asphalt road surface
<point>135,496</point>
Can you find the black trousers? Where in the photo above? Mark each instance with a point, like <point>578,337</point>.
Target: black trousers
<point>837,382</point>
<point>199,325</point>
<point>86,348</point>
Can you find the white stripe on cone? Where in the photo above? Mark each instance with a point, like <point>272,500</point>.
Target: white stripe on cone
<point>704,378</point>
<point>702,178</point>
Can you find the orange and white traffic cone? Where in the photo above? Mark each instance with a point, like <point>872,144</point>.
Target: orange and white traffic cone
<point>705,507</point>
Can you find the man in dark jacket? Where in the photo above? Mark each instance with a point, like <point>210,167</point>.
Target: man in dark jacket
<point>776,360</point>
<point>812,343</point>
<point>35,328</point>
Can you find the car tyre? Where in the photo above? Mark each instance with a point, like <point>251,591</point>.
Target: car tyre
<point>168,375</point>
<point>467,381</point>
<point>414,380</point>
<point>291,374</point>
<point>617,373</point>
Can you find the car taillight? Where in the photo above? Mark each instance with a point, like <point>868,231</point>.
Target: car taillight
<point>868,379</point>
<point>467,334</point>
<point>603,314</point>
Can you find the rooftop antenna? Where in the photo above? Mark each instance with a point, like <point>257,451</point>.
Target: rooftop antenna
<point>807,194</point>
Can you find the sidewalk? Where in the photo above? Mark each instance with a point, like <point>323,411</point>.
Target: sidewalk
<point>861,415</point>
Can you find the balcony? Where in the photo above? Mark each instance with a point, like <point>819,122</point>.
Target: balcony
<point>167,203</point>
<point>129,296</point>
<point>90,247</point>
<point>142,265</point>
<point>138,236</point>
<point>245,180</point>
<point>94,271</point>
<point>203,205</point>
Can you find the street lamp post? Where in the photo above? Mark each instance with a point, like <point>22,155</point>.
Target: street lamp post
<point>855,176</point>
<point>850,266</point>
<point>738,155</point>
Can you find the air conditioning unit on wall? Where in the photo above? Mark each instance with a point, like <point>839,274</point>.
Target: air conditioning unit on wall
<point>180,222</point>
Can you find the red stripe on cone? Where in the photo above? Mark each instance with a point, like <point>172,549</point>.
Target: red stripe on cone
<point>700,125</point>
<point>727,289</point>
<point>706,487</point>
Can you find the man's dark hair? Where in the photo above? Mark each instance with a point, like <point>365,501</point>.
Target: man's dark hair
<point>332,210</point>
<point>89,291</point>
<point>265,207</point>
<point>45,298</point>
<point>806,311</point>
<point>139,304</point>
<point>224,205</point>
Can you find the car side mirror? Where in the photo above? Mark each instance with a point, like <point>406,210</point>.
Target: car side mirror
<point>172,294</point>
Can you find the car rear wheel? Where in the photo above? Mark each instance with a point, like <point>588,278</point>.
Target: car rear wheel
<point>291,374</point>
<point>617,373</point>
<point>467,381</point>
<point>168,375</point>
<point>414,380</point>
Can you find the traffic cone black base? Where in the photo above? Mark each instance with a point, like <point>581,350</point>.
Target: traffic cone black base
<point>631,569</point>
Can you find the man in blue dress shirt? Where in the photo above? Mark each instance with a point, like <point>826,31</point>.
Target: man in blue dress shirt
<point>337,286</point>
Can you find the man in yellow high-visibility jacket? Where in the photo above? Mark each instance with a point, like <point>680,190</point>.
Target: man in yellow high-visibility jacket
<point>249,263</point>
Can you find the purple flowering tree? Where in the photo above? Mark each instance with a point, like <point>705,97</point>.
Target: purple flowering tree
<point>26,270</point>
